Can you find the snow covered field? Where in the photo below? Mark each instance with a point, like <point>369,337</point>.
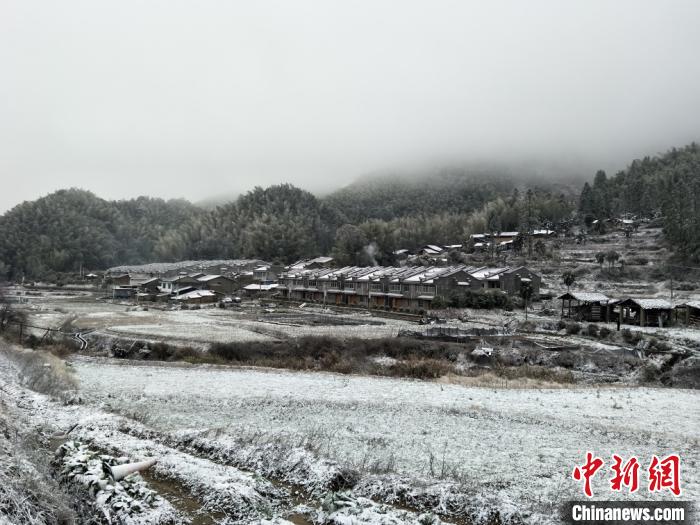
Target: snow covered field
<point>193,327</point>
<point>509,449</point>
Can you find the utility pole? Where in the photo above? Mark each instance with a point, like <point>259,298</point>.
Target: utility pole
<point>529,223</point>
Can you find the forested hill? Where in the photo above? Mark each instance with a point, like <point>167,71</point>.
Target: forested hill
<point>389,197</point>
<point>70,228</point>
<point>666,186</point>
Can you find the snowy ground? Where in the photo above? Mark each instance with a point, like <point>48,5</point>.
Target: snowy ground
<point>194,327</point>
<point>512,449</point>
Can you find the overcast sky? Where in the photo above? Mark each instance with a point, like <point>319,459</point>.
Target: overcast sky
<point>191,99</point>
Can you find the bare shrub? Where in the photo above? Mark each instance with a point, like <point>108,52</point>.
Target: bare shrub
<point>541,373</point>
<point>43,372</point>
<point>28,495</point>
<point>573,328</point>
<point>604,332</point>
<point>421,369</point>
<point>631,337</point>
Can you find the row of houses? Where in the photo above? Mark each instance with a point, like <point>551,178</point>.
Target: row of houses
<point>408,288</point>
<point>593,307</point>
<point>477,241</point>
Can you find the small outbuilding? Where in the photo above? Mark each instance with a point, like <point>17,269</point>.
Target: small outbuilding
<point>691,313</point>
<point>585,306</point>
<point>645,312</point>
<point>124,292</point>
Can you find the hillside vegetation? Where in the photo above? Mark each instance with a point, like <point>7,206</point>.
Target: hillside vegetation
<point>361,223</point>
<point>73,228</point>
<point>667,186</point>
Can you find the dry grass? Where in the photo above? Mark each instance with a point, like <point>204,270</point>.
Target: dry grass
<point>28,495</point>
<point>488,379</point>
<point>43,371</point>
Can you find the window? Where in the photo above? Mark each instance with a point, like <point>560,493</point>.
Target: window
<point>312,283</point>
<point>395,288</point>
<point>426,290</point>
<point>333,285</point>
<point>375,287</point>
<point>349,286</point>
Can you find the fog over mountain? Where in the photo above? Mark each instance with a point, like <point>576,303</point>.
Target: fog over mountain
<point>195,99</point>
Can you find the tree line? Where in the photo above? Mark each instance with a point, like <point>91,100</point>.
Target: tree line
<point>363,223</point>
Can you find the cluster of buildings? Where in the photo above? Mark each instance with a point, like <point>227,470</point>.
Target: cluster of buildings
<point>594,307</point>
<point>194,282</point>
<point>401,288</point>
<point>478,242</point>
<point>407,288</point>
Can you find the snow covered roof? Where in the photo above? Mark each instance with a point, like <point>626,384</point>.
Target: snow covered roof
<point>260,287</point>
<point>692,304</point>
<point>300,265</point>
<point>543,232</point>
<point>508,234</point>
<point>432,249</point>
<point>143,281</point>
<point>207,278</point>
<point>585,297</point>
<point>651,304</point>
<point>195,294</point>
<point>485,273</point>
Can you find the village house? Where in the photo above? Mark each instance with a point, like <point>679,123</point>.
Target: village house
<point>586,306</point>
<point>267,273</point>
<point>123,279</point>
<point>690,313</point>
<point>258,289</point>
<point>197,297</point>
<point>147,285</point>
<point>645,312</point>
<point>312,264</point>
<point>173,284</point>
<point>409,288</point>
<point>401,254</point>
<point>217,283</point>
<point>124,292</point>
<point>431,250</point>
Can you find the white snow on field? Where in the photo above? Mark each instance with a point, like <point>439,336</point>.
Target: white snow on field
<point>516,446</point>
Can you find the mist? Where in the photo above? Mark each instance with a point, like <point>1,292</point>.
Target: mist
<point>195,99</point>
